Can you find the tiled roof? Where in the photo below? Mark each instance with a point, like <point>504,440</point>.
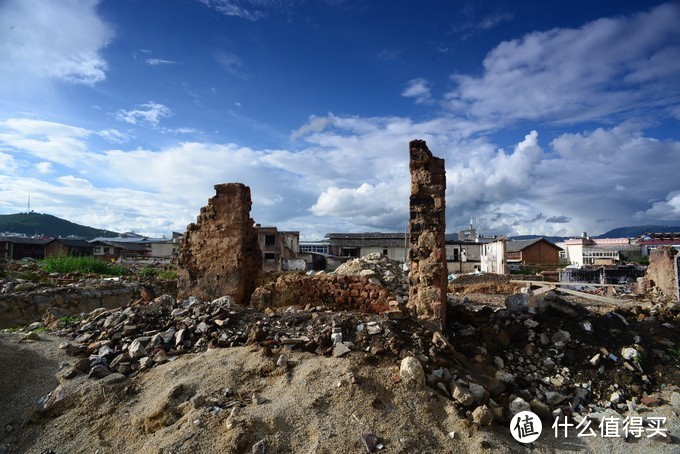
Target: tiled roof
<point>366,239</point>
<point>520,245</point>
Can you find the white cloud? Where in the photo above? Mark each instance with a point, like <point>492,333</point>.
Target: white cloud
<point>61,40</point>
<point>418,89</point>
<point>159,61</point>
<point>666,210</point>
<point>114,136</point>
<point>183,130</point>
<point>74,182</point>
<point>49,141</point>
<point>45,167</point>
<point>7,163</point>
<point>148,114</point>
<point>605,67</point>
<point>351,174</point>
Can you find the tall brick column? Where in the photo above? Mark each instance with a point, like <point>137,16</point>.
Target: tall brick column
<point>427,227</point>
<point>220,254</point>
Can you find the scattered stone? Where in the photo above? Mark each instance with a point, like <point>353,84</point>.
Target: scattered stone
<point>651,401</point>
<point>631,354</point>
<point>482,415</point>
<point>136,350</point>
<point>113,378</point>
<point>412,371</point>
<point>340,350</point>
<point>519,405</point>
<point>554,398</point>
<point>258,399</point>
<point>282,362</point>
<point>461,394</point>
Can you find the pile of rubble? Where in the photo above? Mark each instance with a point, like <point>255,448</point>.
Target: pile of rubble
<point>389,273</point>
<point>122,342</point>
<point>540,354</point>
<point>559,360</point>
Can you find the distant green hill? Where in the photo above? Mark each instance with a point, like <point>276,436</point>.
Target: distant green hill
<point>47,225</point>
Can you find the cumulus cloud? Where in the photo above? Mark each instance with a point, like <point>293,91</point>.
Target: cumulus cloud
<point>666,210</point>
<point>418,89</point>
<point>606,67</point>
<point>60,40</point>
<point>148,114</point>
<point>351,174</point>
<point>381,206</point>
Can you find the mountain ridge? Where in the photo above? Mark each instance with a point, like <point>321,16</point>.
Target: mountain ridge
<point>40,224</point>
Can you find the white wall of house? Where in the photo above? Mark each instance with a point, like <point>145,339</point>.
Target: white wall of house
<point>492,259</point>
<point>164,249</point>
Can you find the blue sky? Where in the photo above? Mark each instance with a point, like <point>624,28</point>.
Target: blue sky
<point>553,117</point>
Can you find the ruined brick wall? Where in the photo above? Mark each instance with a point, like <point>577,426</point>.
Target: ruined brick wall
<point>663,272</point>
<point>19,308</point>
<point>335,292</point>
<point>219,254</point>
<point>427,226</point>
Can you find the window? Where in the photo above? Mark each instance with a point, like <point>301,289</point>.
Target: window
<point>269,256</point>
<point>97,250</point>
<point>269,240</point>
<point>384,251</point>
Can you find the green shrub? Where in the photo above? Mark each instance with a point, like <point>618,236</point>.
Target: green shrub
<point>85,265</point>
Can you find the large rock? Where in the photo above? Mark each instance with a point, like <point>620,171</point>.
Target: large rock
<point>412,371</point>
<point>517,303</point>
<point>220,254</point>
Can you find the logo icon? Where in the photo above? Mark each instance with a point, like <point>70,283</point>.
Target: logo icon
<point>526,427</point>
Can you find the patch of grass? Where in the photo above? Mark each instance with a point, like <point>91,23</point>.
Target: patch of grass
<point>148,271</point>
<point>168,275</point>
<point>85,265</point>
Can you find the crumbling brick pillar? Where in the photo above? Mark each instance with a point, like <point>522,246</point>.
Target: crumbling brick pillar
<point>427,227</point>
<point>219,254</point>
<point>663,272</point>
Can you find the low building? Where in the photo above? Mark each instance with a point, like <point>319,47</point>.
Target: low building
<point>392,245</point>
<point>598,251</point>
<point>68,246</point>
<point>537,251</point>
<point>279,249</point>
<point>650,241</point>
<point>21,247</point>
